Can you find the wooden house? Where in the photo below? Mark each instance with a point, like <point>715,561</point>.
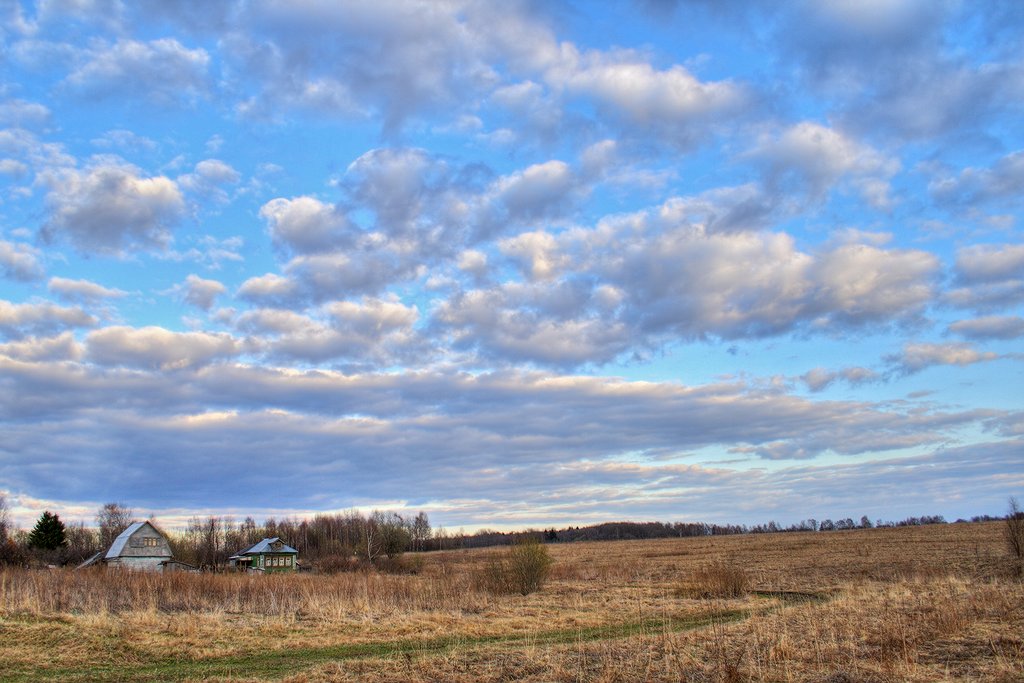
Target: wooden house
<point>269,555</point>
<point>140,546</point>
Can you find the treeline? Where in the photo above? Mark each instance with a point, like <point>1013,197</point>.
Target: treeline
<point>618,531</point>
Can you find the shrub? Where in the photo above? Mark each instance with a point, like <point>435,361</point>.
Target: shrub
<point>523,569</point>
<point>1014,532</point>
<point>717,580</point>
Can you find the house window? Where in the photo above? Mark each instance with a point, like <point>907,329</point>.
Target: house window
<point>150,542</point>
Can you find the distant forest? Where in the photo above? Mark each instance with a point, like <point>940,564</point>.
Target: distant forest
<point>351,540</point>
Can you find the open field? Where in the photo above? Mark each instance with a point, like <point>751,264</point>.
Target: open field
<point>908,604</point>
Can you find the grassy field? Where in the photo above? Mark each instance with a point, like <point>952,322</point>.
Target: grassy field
<point>910,604</point>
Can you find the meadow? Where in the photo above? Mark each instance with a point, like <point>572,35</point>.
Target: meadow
<point>929,603</point>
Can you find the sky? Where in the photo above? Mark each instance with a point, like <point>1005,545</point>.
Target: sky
<point>512,263</point>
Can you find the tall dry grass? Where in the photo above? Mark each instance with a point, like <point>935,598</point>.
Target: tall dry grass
<point>55,592</point>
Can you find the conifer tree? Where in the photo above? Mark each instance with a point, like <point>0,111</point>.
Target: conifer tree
<point>48,533</point>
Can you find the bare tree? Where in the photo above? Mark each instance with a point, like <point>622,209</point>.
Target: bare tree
<point>1014,531</point>
<point>5,519</point>
<point>420,531</point>
<point>112,519</point>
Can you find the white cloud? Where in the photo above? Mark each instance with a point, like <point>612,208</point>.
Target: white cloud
<point>201,293</point>
<point>22,114</point>
<point>63,347</point>
<point>20,261</point>
<point>819,379</point>
<point>973,186</point>
<point>917,357</point>
<point>990,327</point>
<point>814,158</point>
<point>111,209</point>
<point>155,348</point>
<point>40,319</point>
<point>163,70</point>
<point>209,178</point>
<point>672,99</point>
<point>83,291</point>
<point>306,225</point>
<point>990,263</point>
<point>536,252</point>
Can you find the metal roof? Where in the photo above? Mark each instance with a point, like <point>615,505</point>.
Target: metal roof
<point>91,561</point>
<point>264,547</point>
<point>122,539</point>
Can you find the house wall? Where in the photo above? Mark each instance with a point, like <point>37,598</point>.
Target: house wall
<point>150,564</point>
<point>136,545</point>
<point>265,564</point>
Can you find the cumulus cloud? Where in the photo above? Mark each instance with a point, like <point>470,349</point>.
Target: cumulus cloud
<point>990,327</point>
<point>155,348</point>
<point>917,357</point>
<point>40,319</point>
<point>973,186</point>
<point>819,379</point>
<point>536,252</point>
<point>163,70</point>
<point>201,293</point>
<point>635,281</point>
<point>111,209</point>
<point>374,332</point>
<point>673,100</point>
<point>20,261</point>
<point>395,59</point>
<point>268,289</point>
<point>44,349</point>
<point>23,114</point>
<point>989,277</point>
<point>209,178</point>
<point>559,326</point>
<point>990,263</point>
<point>306,225</point>
<point>814,158</point>
<point>892,70</point>
<point>84,291</point>
<point>758,284</point>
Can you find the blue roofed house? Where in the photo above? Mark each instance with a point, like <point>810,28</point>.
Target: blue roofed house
<point>269,555</point>
<point>140,546</point>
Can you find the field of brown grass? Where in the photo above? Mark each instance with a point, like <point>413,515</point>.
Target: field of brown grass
<point>908,604</point>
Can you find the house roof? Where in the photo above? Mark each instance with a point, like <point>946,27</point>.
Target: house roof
<point>91,561</point>
<point>122,539</point>
<point>264,547</point>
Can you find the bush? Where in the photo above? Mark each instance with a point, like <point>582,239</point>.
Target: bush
<point>1014,531</point>
<point>717,580</point>
<point>523,569</point>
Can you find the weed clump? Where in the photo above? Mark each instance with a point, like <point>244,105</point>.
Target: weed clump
<point>717,580</point>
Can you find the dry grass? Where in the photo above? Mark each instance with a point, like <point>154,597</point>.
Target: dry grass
<point>716,580</point>
<point>911,604</point>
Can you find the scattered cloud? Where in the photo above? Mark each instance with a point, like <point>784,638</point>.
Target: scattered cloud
<point>18,321</point>
<point>111,209</point>
<point>990,327</point>
<point>155,348</point>
<point>82,291</point>
<point>20,261</point>
<point>201,293</point>
<point>917,357</point>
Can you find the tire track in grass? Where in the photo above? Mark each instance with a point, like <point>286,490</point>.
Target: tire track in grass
<point>279,663</point>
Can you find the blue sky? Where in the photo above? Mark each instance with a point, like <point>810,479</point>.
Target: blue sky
<point>512,263</point>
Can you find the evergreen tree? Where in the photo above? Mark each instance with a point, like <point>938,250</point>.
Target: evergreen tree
<point>48,533</point>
